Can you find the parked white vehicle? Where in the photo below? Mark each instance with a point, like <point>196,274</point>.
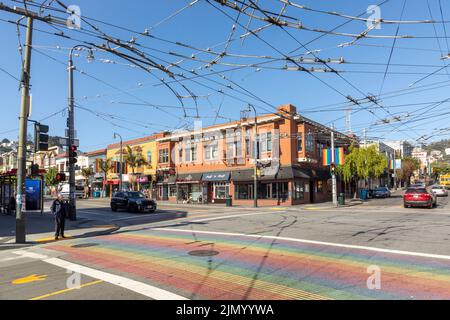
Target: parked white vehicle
<point>64,189</point>
<point>440,191</point>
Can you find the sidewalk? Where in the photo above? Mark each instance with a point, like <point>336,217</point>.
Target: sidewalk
<point>40,229</point>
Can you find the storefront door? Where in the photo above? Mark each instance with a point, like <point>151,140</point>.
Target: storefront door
<point>312,191</point>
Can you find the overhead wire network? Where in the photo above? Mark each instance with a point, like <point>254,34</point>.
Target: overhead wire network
<point>199,81</point>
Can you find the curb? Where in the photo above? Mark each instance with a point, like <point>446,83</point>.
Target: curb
<point>9,246</point>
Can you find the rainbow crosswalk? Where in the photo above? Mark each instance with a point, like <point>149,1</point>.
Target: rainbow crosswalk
<point>259,268</point>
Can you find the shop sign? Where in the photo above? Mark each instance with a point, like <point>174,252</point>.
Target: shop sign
<point>216,176</point>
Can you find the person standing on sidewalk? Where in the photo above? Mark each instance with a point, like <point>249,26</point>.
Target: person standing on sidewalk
<point>58,209</point>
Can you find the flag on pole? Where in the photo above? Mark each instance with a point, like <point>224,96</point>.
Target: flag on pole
<point>391,164</point>
<point>326,157</point>
<point>339,157</point>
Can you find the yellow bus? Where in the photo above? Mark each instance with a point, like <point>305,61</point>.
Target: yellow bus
<point>444,180</point>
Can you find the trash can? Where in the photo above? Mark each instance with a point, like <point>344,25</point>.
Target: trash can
<point>96,194</point>
<point>363,194</point>
<point>229,202</point>
<point>341,199</point>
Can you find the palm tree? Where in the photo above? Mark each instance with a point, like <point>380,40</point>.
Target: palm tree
<point>87,173</point>
<point>134,159</point>
<point>105,166</point>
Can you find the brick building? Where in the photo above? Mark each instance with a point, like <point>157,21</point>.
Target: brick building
<point>210,164</point>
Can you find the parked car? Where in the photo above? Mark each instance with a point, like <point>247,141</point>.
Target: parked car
<point>419,197</point>
<point>440,191</point>
<point>382,192</point>
<point>132,202</point>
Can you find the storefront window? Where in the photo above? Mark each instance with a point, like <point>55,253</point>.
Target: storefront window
<point>221,190</point>
<point>283,190</point>
<point>244,191</point>
<point>299,190</point>
<point>273,190</point>
<point>172,191</point>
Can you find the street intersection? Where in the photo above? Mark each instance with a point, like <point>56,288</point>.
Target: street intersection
<point>377,250</point>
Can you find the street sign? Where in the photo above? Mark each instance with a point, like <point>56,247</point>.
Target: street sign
<point>73,131</point>
<point>65,141</point>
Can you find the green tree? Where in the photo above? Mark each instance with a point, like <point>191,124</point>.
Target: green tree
<point>50,178</point>
<point>87,173</point>
<point>134,159</point>
<point>362,164</point>
<point>409,165</point>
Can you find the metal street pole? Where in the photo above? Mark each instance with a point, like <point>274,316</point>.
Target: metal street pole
<point>333,173</point>
<point>71,131</point>
<point>121,159</point>
<point>21,151</point>
<point>255,158</point>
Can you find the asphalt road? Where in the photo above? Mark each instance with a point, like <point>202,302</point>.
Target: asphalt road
<point>312,252</point>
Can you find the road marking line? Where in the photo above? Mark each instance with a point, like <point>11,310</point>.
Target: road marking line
<point>10,259</point>
<point>30,278</point>
<point>136,286</point>
<point>331,244</point>
<point>67,290</point>
<point>235,216</point>
<point>32,255</point>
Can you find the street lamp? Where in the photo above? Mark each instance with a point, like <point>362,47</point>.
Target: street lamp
<point>71,127</point>
<point>255,158</point>
<point>121,158</point>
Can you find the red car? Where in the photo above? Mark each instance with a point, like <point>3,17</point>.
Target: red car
<point>419,197</point>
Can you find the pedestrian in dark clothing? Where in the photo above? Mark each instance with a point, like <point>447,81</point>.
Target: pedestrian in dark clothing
<point>58,210</point>
<point>12,204</point>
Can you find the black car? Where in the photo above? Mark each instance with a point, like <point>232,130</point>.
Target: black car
<point>132,202</point>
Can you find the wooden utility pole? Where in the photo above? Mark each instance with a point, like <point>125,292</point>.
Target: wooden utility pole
<point>22,148</point>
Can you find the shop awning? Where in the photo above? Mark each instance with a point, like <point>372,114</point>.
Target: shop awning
<point>316,174</point>
<point>284,173</point>
<point>216,176</point>
<point>291,173</point>
<point>247,175</point>
<point>189,178</point>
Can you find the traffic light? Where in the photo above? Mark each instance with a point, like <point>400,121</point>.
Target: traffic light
<point>60,177</point>
<point>333,168</point>
<point>73,155</point>
<point>40,137</point>
<point>35,170</point>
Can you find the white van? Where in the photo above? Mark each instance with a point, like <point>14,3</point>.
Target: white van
<point>64,189</point>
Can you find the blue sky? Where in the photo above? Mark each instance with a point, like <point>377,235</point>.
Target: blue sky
<point>117,97</point>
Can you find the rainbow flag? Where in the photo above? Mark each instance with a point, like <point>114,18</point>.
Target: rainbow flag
<point>391,164</point>
<point>326,157</point>
<point>339,157</point>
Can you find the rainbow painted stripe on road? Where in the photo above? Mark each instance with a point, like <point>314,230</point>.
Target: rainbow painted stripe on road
<point>256,268</point>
